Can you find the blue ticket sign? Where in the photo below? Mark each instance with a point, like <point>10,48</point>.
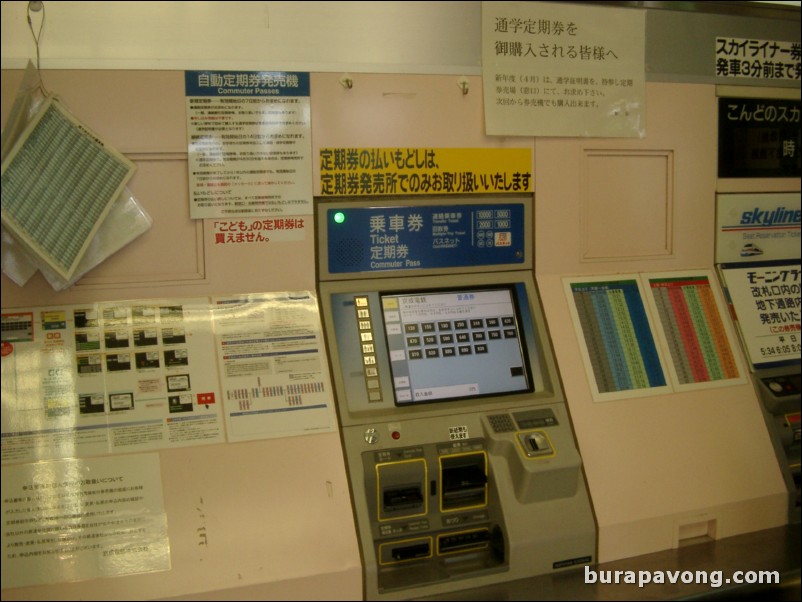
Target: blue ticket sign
<point>372,239</point>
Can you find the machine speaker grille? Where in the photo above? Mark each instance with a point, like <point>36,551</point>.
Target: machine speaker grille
<point>349,252</point>
<point>501,423</point>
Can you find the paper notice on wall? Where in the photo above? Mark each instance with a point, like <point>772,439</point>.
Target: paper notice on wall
<point>766,300</point>
<point>249,144</point>
<point>645,334</point>
<point>773,60</point>
<point>699,341</point>
<point>100,378</point>
<point>133,376</point>
<point>562,69</point>
<point>616,337</point>
<point>368,172</point>
<point>273,366</point>
<point>75,520</point>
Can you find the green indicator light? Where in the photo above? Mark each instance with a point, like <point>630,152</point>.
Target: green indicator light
<point>339,217</point>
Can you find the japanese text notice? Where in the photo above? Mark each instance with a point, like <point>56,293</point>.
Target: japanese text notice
<point>249,143</point>
<point>273,366</point>
<point>766,298</point>
<point>560,69</point>
<point>74,520</point>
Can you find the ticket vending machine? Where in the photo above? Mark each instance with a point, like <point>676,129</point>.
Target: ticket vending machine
<point>757,254</point>
<point>463,465</point>
<point>757,250</point>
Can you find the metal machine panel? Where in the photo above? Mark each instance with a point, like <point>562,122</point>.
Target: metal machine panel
<point>464,470</point>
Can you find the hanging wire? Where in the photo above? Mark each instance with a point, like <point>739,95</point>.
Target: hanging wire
<point>37,35</point>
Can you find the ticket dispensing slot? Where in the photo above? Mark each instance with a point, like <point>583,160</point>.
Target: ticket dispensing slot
<point>432,519</point>
<point>462,462</point>
<point>463,481</point>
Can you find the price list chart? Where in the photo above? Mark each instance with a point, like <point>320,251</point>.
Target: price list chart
<point>621,356</point>
<point>694,331</point>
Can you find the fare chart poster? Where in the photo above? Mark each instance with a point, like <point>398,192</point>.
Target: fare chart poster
<point>647,334</point>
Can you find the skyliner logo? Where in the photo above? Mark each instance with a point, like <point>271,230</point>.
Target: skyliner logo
<point>781,217</point>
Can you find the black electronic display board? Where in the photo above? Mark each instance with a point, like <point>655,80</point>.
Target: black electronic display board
<point>758,138</point>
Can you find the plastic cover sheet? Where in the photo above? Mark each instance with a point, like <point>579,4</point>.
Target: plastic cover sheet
<point>126,220</point>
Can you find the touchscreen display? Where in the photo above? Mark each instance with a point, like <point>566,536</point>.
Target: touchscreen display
<point>448,345</point>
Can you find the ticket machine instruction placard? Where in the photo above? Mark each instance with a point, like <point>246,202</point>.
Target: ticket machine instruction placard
<point>397,237</point>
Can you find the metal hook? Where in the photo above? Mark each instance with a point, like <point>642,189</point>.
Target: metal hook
<point>347,82</point>
<point>462,82</point>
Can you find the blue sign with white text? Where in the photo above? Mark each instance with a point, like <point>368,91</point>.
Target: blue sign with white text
<point>256,84</point>
<point>372,239</point>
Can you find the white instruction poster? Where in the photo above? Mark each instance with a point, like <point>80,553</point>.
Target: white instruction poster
<point>74,520</point>
<point>273,365</point>
<point>249,144</point>
<point>109,377</point>
<point>563,69</point>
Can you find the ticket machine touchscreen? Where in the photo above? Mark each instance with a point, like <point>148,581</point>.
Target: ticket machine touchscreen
<point>454,345</point>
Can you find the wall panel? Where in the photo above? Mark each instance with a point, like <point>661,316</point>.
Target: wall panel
<point>620,189</point>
